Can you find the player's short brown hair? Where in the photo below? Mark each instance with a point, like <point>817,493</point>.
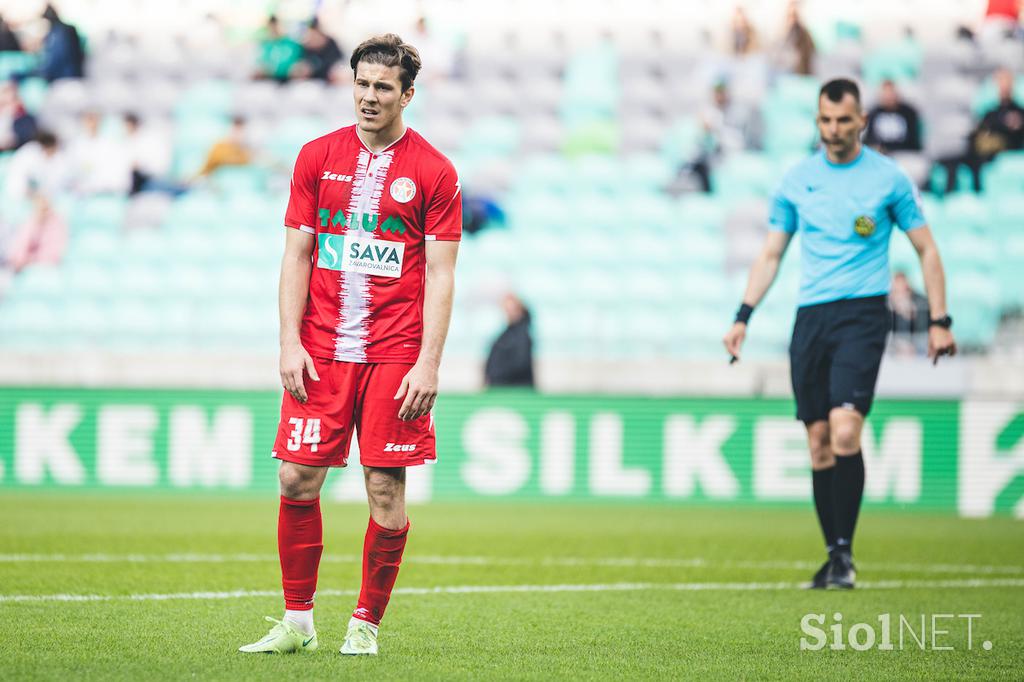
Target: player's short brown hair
<point>389,50</point>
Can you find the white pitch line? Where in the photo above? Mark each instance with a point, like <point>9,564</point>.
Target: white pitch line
<point>520,589</point>
<point>623,562</point>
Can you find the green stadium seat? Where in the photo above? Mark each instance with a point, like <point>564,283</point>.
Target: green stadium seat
<point>17,64</point>
<point>105,212</point>
<point>597,173</point>
<point>237,179</point>
<point>196,211</point>
<point>40,282</point>
<point>646,172</point>
<point>33,94</point>
<point>213,98</point>
<point>92,279</point>
<point>30,323</point>
<point>93,247</point>
<point>967,211</point>
<point>987,96</point>
<point>1005,175</point>
<point>745,174</point>
<point>681,142</point>
<point>492,136</point>
<point>589,137</point>
<point>897,62</point>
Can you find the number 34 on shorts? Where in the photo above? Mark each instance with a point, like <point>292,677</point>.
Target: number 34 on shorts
<point>308,434</point>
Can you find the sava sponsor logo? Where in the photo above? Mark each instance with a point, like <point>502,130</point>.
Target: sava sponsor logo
<point>398,447</point>
<point>366,256</point>
<point>328,175</point>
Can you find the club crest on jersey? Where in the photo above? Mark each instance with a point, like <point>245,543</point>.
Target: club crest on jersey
<point>403,190</point>
<point>864,226</point>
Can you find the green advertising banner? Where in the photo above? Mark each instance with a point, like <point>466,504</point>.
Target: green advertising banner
<point>965,457</point>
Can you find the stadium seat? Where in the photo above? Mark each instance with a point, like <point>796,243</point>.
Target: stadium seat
<point>33,94</point>
<point>40,283</point>
<point>209,99</point>
<point>745,174</point>
<point>492,136</point>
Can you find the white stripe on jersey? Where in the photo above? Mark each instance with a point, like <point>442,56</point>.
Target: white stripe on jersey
<point>353,327</point>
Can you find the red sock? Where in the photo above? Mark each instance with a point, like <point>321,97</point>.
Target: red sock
<point>382,554</point>
<point>300,542</point>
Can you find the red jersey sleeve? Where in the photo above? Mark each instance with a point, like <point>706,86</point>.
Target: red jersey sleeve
<point>301,212</point>
<point>444,208</point>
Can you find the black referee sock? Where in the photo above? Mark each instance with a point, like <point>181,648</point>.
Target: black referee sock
<point>847,491</point>
<point>822,480</point>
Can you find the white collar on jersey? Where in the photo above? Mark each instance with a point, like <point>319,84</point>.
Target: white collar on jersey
<point>367,148</point>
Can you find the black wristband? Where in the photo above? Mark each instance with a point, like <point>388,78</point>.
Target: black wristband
<point>743,314</point>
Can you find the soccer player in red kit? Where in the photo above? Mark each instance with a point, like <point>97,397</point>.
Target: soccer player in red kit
<point>374,221</point>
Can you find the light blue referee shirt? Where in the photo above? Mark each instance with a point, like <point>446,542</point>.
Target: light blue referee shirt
<point>845,214</point>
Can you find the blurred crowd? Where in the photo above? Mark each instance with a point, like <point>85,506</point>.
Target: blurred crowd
<point>128,156</point>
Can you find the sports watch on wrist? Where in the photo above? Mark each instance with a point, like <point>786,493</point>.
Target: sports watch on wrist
<point>945,322</point>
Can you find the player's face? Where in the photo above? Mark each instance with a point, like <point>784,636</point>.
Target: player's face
<point>378,96</point>
<point>839,124</point>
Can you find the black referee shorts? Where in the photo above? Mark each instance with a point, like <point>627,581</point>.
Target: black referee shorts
<point>835,353</point>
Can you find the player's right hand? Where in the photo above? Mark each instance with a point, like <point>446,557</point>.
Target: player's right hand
<point>733,339</point>
<point>294,361</point>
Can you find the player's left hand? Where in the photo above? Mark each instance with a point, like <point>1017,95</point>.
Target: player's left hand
<point>940,342</point>
<point>419,387</point>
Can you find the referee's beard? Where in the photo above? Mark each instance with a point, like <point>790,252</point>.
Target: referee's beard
<point>840,150</point>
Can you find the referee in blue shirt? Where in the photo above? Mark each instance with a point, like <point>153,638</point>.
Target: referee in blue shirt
<point>844,201</point>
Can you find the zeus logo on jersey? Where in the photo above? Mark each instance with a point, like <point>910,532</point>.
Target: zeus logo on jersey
<point>366,256</point>
<point>328,175</point>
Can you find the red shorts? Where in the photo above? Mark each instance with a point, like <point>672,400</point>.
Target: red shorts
<point>359,396</point>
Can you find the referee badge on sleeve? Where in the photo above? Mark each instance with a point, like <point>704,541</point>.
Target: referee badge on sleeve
<point>864,226</point>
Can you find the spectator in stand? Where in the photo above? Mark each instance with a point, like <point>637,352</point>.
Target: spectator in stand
<point>796,51</point>
<point>743,38</point>
<point>437,53</point>
<point>1002,20</point>
<point>8,38</point>
<point>910,317</point>
<point>320,52</point>
<point>100,161</point>
<point>150,158</point>
<point>893,125</point>
<point>38,174</point>
<point>233,150</point>
<point>62,55</point>
<point>17,126</point>
<point>1001,129</point>
<point>728,128</point>
<point>510,362</point>
<point>278,53</point>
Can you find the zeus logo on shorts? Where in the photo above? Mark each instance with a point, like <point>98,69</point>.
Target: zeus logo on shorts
<point>395,447</point>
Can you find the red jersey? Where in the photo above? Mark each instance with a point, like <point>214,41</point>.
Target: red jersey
<point>371,214</point>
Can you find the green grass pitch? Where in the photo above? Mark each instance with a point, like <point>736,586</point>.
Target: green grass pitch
<point>632,592</point>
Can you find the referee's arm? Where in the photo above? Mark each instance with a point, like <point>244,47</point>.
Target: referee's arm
<point>762,274</point>
<point>940,339</point>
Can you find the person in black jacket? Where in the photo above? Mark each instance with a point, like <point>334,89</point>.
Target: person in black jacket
<point>510,362</point>
<point>893,125</point>
<point>1000,129</point>
<point>320,52</point>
